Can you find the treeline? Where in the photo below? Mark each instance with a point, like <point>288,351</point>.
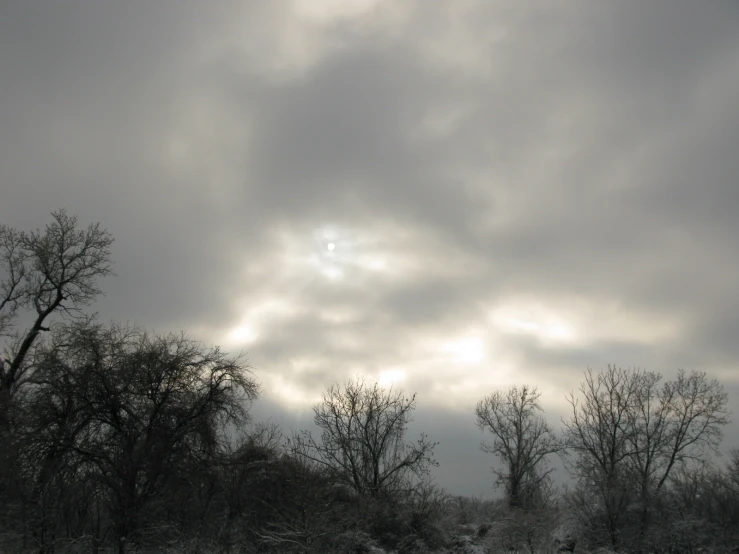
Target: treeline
<point>113,439</point>
<point>641,453</point>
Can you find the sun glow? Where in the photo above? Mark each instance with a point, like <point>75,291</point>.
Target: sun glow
<point>332,273</point>
<point>242,334</point>
<point>389,377</point>
<point>467,350</point>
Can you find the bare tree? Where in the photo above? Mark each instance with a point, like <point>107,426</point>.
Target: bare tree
<point>54,271</point>
<point>363,439</point>
<point>697,412</point>
<point>703,500</point>
<point>630,434</point>
<point>601,432</point>
<point>128,409</point>
<point>41,274</point>
<point>522,440</point>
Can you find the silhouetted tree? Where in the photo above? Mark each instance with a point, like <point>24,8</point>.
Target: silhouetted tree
<point>128,409</point>
<point>630,434</point>
<point>43,274</point>
<point>55,271</point>
<point>522,440</point>
<point>363,439</point>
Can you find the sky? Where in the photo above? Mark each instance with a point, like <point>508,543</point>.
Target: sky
<point>448,197</point>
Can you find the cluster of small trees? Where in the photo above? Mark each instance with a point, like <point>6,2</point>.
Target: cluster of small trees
<point>111,437</point>
<point>630,443</point>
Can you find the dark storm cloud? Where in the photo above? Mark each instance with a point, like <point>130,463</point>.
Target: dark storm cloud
<point>573,163</point>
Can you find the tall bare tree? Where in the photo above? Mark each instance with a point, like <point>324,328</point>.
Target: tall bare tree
<point>522,440</point>
<point>43,273</point>
<point>363,438</point>
<point>598,432</point>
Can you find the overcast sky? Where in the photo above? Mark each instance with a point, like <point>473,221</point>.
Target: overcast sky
<point>447,196</point>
